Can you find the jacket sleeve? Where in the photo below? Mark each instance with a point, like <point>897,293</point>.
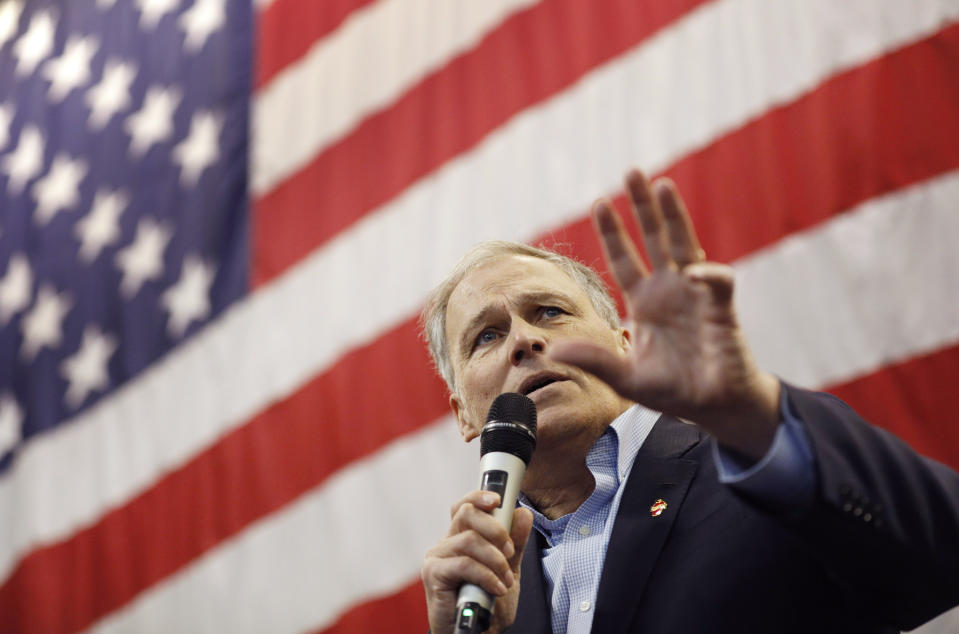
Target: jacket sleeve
<point>884,521</point>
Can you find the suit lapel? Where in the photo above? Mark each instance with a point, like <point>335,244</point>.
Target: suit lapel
<point>659,472</point>
<point>534,613</point>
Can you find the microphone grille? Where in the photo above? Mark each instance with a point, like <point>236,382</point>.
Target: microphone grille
<point>514,408</point>
<point>510,427</point>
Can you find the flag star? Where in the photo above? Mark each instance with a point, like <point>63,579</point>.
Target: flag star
<point>34,45</point>
<point>72,68</point>
<point>106,4</point>
<point>201,20</point>
<point>59,189</point>
<point>11,421</point>
<point>86,370</point>
<point>154,121</point>
<point>100,227</point>
<point>189,298</point>
<point>151,11</point>
<point>200,149</point>
<point>42,326</point>
<point>6,118</point>
<point>9,19</point>
<point>15,288</point>
<point>143,259</point>
<point>111,94</point>
<point>25,161</point>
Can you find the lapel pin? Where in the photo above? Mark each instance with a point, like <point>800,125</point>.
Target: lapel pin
<point>658,507</point>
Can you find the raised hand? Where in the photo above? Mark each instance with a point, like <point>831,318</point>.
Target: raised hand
<point>689,357</point>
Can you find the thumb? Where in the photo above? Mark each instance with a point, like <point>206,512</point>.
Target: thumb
<point>608,366</point>
<point>519,533</point>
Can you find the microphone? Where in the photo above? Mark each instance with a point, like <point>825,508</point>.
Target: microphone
<point>506,445</point>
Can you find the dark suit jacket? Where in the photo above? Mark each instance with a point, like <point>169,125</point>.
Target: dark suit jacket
<point>877,551</point>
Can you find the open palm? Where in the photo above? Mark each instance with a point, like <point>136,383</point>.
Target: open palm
<point>689,357</point>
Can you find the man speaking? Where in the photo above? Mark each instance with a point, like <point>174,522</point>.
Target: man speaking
<point>675,486</point>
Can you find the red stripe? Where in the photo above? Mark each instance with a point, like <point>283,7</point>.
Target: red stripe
<point>877,128</point>
<point>817,137</point>
<point>856,137</point>
<point>66,587</point>
<point>253,471</point>
<point>404,611</point>
<point>287,29</point>
<point>533,55</point>
<point>914,400</point>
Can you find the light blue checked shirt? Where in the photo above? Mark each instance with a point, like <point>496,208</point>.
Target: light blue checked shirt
<point>576,543</point>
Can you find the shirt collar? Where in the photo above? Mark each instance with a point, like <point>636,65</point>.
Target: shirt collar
<point>631,428</point>
<point>629,431</point>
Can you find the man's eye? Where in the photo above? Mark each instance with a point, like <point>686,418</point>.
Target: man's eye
<point>485,337</point>
<point>552,312</point>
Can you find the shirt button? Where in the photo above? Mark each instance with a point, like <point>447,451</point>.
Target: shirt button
<point>584,530</point>
<point>584,606</point>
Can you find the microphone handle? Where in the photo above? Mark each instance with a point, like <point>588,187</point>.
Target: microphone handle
<point>500,472</point>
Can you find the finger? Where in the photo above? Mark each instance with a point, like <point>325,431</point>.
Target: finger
<point>718,277</point>
<point>684,246</point>
<point>477,548</point>
<point>611,368</point>
<point>485,500</point>
<point>470,518</point>
<point>519,534</point>
<point>618,248</point>
<point>646,208</point>
<point>443,574</point>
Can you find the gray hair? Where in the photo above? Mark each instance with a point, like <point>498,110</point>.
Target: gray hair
<point>433,317</point>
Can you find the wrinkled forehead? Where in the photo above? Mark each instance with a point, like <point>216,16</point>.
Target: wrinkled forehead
<point>505,281</point>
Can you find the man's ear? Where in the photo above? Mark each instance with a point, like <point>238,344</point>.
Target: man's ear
<point>467,431</point>
<point>625,339</point>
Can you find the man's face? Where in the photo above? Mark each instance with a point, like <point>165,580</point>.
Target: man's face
<point>501,320</point>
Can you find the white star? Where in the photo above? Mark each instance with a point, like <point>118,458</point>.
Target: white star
<point>106,4</point>
<point>35,44</point>
<point>11,419</point>
<point>200,149</point>
<point>9,19</point>
<point>199,21</point>
<point>154,121</point>
<point>6,118</point>
<point>72,68</point>
<point>100,227</point>
<point>59,189</point>
<point>189,298</point>
<point>42,326</point>
<point>152,11</point>
<point>112,94</point>
<point>15,287</point>
<point>143,260</point>
<point>86,369</point>
<point>25,161</point>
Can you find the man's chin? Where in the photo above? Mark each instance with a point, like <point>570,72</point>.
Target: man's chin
<point>556,420</point>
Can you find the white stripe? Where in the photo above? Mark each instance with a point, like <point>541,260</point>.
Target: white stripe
<point>537,172</point>
<point>868,288</point>
<point>320,99</point>
<point>363,534</point>
<point>375,56</point>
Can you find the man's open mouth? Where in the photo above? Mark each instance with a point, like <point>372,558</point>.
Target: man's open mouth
<point>538,382</point>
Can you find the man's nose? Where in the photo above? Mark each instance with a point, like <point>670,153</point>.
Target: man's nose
<point>526,340</point>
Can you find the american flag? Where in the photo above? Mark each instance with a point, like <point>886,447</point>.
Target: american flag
<point>220,219</point>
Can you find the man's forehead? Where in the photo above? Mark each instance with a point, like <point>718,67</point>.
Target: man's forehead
<point>515,279</point>
<point>515,275</point>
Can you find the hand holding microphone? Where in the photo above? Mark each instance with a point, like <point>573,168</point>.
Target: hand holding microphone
<point>479,559</point>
